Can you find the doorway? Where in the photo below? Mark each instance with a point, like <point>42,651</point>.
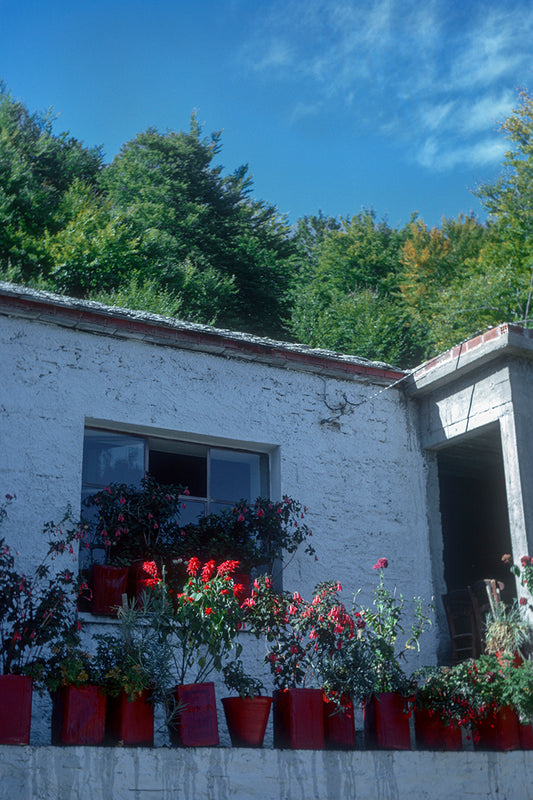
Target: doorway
<point>474,512</point>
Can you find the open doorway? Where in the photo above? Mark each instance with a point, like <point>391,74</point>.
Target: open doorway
<point>474,512</point>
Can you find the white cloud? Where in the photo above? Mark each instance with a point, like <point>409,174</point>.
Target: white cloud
<point>425,73</point>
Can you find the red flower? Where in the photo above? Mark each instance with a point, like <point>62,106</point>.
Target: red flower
<point>523,601</point>
<point>228,566</point>
<point>382,563</point>
<point>208,611</point>
<point>193,566</point>
<point>208,571</point>
<point>525,561</point>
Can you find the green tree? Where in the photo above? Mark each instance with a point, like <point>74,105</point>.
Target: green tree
<point>37,168</point>
<point>183,211</point>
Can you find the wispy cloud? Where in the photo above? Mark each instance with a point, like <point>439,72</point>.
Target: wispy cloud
<point>433,75</point>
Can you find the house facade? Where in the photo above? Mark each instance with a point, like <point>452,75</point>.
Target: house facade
<point>428,468</point>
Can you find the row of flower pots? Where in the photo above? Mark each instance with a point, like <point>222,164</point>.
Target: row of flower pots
<point>302,719</point>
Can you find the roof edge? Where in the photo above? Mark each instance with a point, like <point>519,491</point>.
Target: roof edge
<point>506,339</point>
<point>97,318</point>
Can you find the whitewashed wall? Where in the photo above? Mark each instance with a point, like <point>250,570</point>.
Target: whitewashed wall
<point>362,475</point>
<point>79,773</point>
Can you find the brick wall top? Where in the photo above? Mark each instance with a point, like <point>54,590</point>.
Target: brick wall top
<point>153,328</point>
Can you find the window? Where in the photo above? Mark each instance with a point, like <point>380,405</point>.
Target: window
<point>216,477</point>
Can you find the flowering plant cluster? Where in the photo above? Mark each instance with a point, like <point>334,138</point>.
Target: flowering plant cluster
<point>37,609</point>
<point>469,692</point>
<point>254,533</point>
<point>134,523</point>
<point>524,572</point>
<point>316,642</point>
<point>202,620</point>
<point>385,636</point>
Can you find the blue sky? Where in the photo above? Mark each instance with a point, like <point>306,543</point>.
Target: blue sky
<point>334,104</point>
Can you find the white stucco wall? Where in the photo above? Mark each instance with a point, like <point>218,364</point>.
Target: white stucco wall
<point>361,475</point>
<point>78,773</point>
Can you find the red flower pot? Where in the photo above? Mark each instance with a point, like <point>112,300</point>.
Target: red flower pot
<point>433,734</point>
<point>130,722</point>
<point>15,709</point>
<point>246,718</point>
<point>108,584</point>
<point>78,715</point>
<point>298,719</point>
<point>498,731</point>
<point>526,736</point>
<point>386,723</point>
<point>196,723</point>
<point>339,727</point>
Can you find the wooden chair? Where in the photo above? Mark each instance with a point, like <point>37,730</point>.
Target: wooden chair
<point>484,595</point>
<point>461,624</point>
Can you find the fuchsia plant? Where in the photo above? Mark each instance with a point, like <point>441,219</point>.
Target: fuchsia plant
<point>38,609</point>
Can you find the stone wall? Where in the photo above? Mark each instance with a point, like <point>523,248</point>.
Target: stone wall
<point>78,773</point>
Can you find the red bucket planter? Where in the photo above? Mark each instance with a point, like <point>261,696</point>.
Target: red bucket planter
<point>15,709</point>
<point>526,736</point>
<point>247,718</point>
<point>196,723</point>
<point>130,722</point>
<point>500,730</point>
<point>108,585</point>
<point>299,719</point>
<point>386,723</point>
<point>78,715</point>
<point>432,733</point>
<point>339,725</point>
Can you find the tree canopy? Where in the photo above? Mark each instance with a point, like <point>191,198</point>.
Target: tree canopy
<point>164,228</point>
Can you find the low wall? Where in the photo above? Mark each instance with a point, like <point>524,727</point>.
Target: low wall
<point>80,773</point>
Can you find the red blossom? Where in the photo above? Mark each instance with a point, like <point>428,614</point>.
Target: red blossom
<point>381,563</point>
<point>208,571</point>
<point>525,561</point>
<point>193,566</point>
<point>523,601</point>
<point>208,611</point>
<point>228,566</point>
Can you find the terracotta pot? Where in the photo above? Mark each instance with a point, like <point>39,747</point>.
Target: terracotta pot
<point>498,731</point>
<point>298,719</point>
<point>196,724</point>
<point>386,723</point>
<point>109,584</point>
<point>339,727</point>
<point>526,736</point>
<point>246,718</point>
<point>15,709</point>
<point>78,715</point>
<point>130,722</point>
<point>432,733</point>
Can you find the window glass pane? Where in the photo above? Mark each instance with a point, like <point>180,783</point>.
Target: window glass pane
<point>189,469</point>
<point>112,458</point>
<point>236,476</point>
<point>194,509</point>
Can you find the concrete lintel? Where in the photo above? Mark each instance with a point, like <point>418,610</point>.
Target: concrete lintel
<point>506,340</point>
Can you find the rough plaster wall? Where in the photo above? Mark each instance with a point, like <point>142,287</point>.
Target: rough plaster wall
<point>217,774</point>
<point>360,472</point>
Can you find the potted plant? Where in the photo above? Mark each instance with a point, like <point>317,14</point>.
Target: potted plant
<point>246,715</point>
<point>385,711</point>
<point>78,703</point>
<point>298,708</point>
<point>488,696</point>
<point>438,710</point>
<point>137,526</point>
<point>508,632</point>
<point>201,622</point>
<point>342,661</point>
<point>35,610</point>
